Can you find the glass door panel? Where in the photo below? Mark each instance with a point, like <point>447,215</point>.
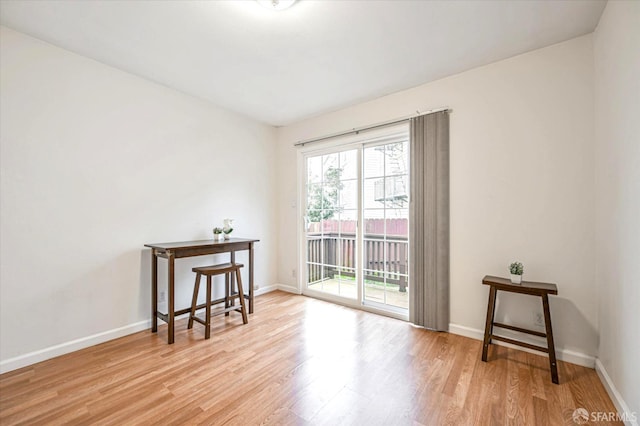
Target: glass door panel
<point>331,222</point>
<point>386,222</point>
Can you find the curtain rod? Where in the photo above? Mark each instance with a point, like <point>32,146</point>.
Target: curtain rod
<point>357,130</point>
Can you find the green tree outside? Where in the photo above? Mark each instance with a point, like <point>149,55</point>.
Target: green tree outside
<point>323,199</point>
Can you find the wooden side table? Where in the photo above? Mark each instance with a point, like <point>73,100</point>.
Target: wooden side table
<point>527,287</point>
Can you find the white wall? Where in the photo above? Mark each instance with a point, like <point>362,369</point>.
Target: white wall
<point>522,172</point>
<point>97,162</point>
<point>617,101</point>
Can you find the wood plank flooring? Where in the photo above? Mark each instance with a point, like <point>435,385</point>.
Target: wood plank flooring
<point>299,361</point>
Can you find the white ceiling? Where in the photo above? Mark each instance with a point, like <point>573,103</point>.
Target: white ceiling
<point>318,56</point>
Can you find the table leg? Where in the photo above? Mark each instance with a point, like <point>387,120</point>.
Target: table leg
<point>488,328</point>
<point>250,278</point>
<point>228,292</point>
<point>552,349</point>
<point>207,330</point>
<point>232,284</point>
<point>171,291</point>
<point>154,291</point>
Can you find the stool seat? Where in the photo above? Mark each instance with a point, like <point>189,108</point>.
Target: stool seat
<point>222,268</point>
<point>229,270</point>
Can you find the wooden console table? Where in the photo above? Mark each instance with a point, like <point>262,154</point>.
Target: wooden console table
<point>172,251</point>
<point>533,289</point>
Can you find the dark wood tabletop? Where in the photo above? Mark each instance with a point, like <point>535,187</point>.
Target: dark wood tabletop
<point>527,287</point>
<point>199,243</point>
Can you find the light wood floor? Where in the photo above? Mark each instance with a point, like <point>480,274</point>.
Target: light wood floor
<point>299,361</point>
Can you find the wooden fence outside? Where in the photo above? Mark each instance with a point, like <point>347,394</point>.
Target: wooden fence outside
<point>377,266</point>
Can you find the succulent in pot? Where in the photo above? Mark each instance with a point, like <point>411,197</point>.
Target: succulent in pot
<point>218,233</point>
<point>516,269</point>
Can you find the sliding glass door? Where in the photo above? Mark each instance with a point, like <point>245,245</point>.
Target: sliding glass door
<point>386,224</point>
<point>364,183</point>
<point>331,219</point>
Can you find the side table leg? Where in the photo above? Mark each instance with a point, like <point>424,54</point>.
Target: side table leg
<point>250,278</point>
<point>488,328</point>
<point>552,349</point>
<point>154,291</point>
<point>171,291</point>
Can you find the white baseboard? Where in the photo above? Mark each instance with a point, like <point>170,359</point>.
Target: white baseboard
<point>274,287</point>
<point>266,289</point>
<point>72,346</point>
<point>288,289</point>
<point>615,396</point>
<point>562,354</point>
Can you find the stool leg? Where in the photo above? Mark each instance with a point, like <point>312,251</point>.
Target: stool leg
<point>552,349</point>
<point>232,289</point>
<point>241,294</point>
<point>227,292</point>
<point>488,327</point>
<point>233,277</point>
<point>207,329</point>
<point>194,300</point>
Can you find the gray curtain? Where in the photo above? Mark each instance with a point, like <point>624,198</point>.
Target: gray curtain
<point>429,221</point>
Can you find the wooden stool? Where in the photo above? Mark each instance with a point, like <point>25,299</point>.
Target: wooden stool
<point>229,297</point>
<point>533,289</point>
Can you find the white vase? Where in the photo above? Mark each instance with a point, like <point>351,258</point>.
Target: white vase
<point>226,236</point>
<point>516,279</point>
<point>218,237</point>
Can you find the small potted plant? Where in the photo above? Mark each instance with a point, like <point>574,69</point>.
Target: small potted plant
<point>516,269</point>
<point>217,234</point>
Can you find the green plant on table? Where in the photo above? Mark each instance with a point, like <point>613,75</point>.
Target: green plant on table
<point>516,268</point>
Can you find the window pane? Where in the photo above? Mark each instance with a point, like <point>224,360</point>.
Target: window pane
<point>330,227</point>
<point>374,288</point>
<point>396,191</point>
<point>348,223</point>
<point>315,253</point>
<point>374,193</point>
<point>313,273</point>
<point>374,255</point>
<point>347,252</point>
<point>397,158</point>
<point>396,258</point>
<point>329,167</point>
<point>397,291</point>
<point>314,196</point>
<point>347,282</point>
<point>397,224</point>
<point>348,195</point>
<point>314,169</point>
<point>373,161</point>
<point>349,164</point>
<point>331,248</point>
<point>374,225</point>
